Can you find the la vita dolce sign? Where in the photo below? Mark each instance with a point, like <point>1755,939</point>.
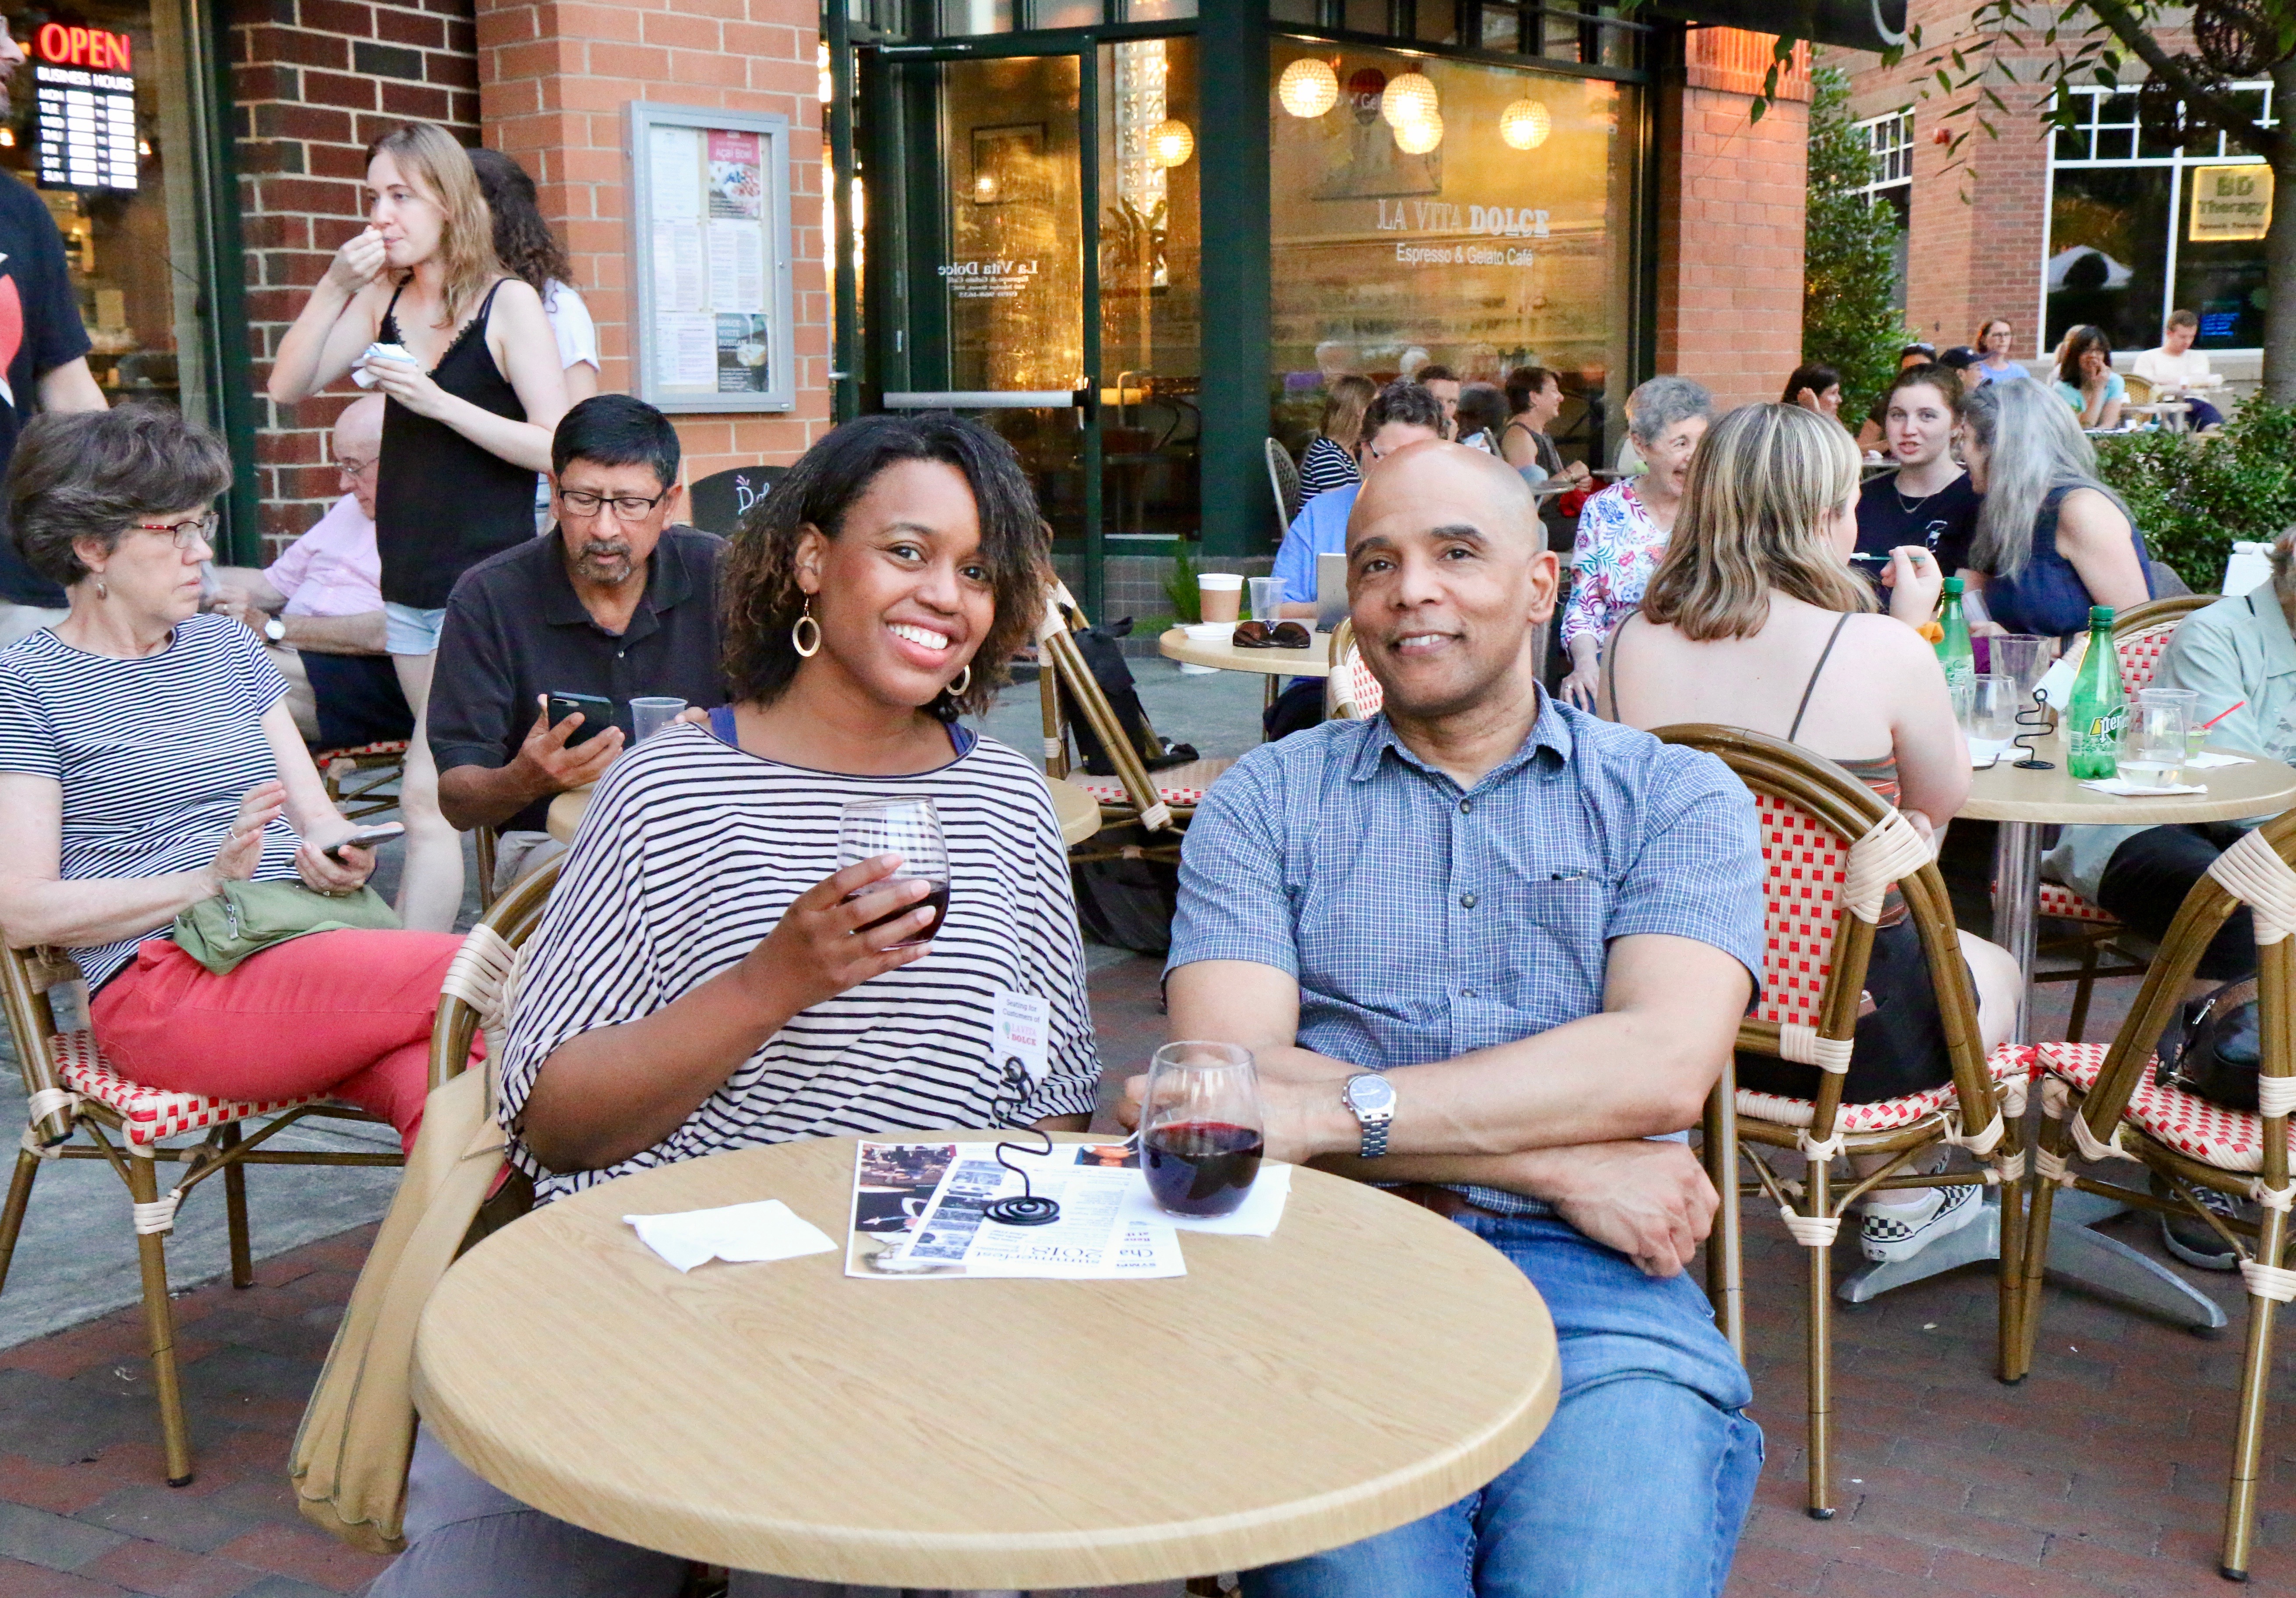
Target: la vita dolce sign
<point>2229,203</point>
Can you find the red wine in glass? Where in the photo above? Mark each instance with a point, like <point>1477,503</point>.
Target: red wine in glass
<point>1200,1168</point>
<point>936,900</point>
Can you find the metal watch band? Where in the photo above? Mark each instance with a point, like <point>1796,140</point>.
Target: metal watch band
<point>1375,1138</point>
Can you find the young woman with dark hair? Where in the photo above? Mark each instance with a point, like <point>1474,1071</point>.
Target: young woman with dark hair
<point>148,761</point>
<point>2086,379</point>
<point>701,981</point>
<point>531,253</point>
<point>467,426</point>
<point>1814,387</point>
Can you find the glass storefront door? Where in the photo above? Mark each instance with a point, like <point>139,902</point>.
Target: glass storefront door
<point>1045,274</point>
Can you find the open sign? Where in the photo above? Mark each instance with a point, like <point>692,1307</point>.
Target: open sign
<point>96,48</point>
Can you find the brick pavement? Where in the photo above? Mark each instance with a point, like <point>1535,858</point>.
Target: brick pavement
<point>2100,1475</point>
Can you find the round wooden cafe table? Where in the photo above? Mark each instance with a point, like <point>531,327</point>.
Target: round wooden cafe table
<point>1313,662</point>
<point>2025,802</point>
<point>1367,1364</point>
<point>1079,812</point>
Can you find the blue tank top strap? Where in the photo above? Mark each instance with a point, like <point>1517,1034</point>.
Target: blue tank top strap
<point>962,738</point>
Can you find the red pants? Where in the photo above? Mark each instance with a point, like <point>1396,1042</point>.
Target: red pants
<point>346,1013</point>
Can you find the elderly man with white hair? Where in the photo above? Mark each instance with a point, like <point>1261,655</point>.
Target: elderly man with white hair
<point>2240,650</point>
<point>319,605</point>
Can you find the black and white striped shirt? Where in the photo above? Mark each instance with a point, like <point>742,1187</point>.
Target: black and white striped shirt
<point>1324,467</point>
<point>153,755</point>
<point>690,852</point>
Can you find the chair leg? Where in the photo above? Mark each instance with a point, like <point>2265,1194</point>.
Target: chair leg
<point>2036,1255</point>
<point>1820,1202</point>
<point>159,1323</point>
<point>2010,1336</point>
<point>1725,1288</point>
<point>2077,1022</point>
<point>2255,1385</point>
<point>20,1198</point>
<point>234,1209</point>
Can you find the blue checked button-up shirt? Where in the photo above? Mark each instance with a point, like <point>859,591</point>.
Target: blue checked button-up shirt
<point>1423,922</point>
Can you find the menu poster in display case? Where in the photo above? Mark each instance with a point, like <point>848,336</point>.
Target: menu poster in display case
<point>711,246</point>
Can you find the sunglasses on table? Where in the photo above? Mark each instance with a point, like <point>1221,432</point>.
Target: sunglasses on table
<point>1258,634</point>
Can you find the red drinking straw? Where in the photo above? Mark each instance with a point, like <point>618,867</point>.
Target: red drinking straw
<point>2220,714</point>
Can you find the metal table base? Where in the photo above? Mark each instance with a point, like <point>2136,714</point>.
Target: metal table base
<point>2089,1260</point>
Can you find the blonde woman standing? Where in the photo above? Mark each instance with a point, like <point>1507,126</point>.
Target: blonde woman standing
<point>1754,619</point>
<point>467,426</point>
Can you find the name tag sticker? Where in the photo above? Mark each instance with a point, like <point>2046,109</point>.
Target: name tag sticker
<point>1022,1030</point>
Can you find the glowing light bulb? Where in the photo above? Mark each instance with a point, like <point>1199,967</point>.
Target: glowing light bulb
<point>1408,97</point>
<point>1525,124</point>
<point>1308,87</point>
<point>1172,143</point>
<point>1418,138</point>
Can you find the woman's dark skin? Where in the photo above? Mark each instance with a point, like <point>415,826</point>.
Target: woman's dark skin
<point>907,557</point>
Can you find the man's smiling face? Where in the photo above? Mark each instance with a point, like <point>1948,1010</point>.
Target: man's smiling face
<point>1448,574</point>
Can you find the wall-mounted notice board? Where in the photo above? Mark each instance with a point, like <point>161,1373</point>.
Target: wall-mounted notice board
<point>709,253</point>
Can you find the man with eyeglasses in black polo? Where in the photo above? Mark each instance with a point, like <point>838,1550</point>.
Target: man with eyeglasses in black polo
<point>614,601</point>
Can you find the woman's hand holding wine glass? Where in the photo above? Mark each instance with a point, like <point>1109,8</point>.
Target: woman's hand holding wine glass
<point>836,935</point>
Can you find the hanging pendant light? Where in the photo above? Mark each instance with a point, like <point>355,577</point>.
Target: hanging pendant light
<point>1172,143</point>
<point>1308,87</point>
<point>1525,124</point>
<point>1419,137</point>
<point>1408,97</point>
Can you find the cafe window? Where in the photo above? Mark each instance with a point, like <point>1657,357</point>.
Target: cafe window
<point>2139,227</point>
<point>1481,219</point>
<point>99,117</point>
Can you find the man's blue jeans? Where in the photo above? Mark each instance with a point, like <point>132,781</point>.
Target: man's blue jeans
<point>1638,1487</point>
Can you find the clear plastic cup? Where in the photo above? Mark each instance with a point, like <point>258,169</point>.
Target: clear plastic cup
<point>1266,598</point>
<point>649,716</point>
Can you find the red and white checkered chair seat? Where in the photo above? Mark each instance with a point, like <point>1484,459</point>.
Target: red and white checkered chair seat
<point>2061,902</point>
<point>355,751</point>
<point>2230,1140</point>
<point>1175,784</point>
<point>2010,1061</point>
<point>149,1114</point>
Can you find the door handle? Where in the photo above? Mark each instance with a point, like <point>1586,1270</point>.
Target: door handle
<point>987,399</point>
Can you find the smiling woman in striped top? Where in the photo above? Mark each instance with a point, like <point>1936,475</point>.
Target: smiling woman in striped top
<point>700,982</point>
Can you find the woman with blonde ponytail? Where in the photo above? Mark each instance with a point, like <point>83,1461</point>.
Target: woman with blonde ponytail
<point>471,373</point>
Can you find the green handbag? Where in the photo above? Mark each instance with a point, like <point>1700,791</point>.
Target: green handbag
<point>247,918</point>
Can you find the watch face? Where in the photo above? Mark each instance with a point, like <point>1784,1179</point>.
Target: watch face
<point>1370,1093</point>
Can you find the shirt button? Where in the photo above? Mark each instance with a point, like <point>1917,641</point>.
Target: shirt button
<point>1466,992</point>
<point>1466,901</point>
<point>1467,807</point>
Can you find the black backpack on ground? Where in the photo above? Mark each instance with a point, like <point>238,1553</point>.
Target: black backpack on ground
<point>1106,660</point>
<point>2216,1050</point>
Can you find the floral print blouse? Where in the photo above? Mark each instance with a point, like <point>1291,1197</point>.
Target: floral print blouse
<point>1617,548</point>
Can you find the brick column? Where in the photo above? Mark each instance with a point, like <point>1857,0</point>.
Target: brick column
<point>554,77</point>
<point>1732,200</point>
<point>313,81</point>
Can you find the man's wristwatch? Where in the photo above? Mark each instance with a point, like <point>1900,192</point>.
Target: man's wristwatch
<point>1371,1098</point>
<point>274,630</point>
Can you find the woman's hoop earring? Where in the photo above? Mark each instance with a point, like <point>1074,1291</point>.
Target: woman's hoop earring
<point>960,683</point>
<point>797,632</point>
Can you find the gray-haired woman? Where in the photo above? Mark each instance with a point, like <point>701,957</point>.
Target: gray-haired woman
<point>1623,530</point>
<point>2051,539</point>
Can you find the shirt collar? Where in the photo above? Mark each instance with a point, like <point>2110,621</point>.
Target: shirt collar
<point>1551,731</point>
<point>2272,630</point>
<point>668,583</point>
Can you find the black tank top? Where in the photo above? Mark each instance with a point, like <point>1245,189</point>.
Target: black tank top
<point>444,503</point>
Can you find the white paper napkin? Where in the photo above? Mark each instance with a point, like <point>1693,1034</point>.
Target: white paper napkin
<point>1256,1217</point>
<point>2126,790</point>
<point>1984,751</point>
<point>737,1233</point>
<point>2210,760</point>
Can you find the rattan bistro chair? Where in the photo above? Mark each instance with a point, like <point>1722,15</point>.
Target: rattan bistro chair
<point>357,775</point>
<point>1283,482</point>
<point>1829,845</point>
<point>2109,1104</point>
<point>2140,638</point>
<point>1162,801</point>
<point>83,1108</point>
<point>1350,694</point>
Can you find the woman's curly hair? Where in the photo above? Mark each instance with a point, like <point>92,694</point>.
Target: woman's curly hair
<point>523,243</point>
<point>759,597</point>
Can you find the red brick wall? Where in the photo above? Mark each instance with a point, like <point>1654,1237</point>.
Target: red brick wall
<point>555,76</point>
<point>1732,201</point>
<point>313,81</point>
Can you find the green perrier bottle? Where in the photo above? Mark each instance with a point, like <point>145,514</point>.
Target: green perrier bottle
<point>1953,650</point>
<point>2093,718</point>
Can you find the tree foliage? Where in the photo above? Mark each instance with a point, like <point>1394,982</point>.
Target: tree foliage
<point>1848,261</point>
<point>2195,494</point>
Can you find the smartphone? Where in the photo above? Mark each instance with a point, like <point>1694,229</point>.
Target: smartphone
<point>597,713</point>
<point>366,838</point>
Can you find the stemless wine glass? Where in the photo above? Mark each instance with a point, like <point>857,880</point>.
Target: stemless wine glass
<point>2023,657</point>
<point>2153,747</point>
<point>1994,704</point>
<point>911,829</point>
<point>1202,1130</point>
